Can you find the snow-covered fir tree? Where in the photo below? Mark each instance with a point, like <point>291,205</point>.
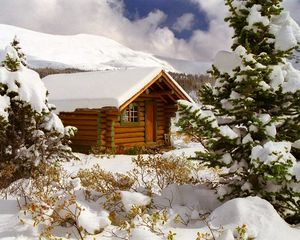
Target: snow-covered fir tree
<point>30,133</point>
<point>16,45</point>
<point>249,120</point>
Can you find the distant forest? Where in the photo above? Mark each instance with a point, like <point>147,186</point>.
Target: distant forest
<point>189,82</point>
<point>43,72</point>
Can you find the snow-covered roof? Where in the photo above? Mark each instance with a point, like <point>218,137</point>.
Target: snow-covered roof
<point>100,89</point>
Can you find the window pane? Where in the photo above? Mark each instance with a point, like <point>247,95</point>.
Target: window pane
<point>125,116</point>
<point>130,114</point>
<point>134,114</point>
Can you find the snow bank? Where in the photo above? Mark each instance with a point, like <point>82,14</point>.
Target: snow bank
<point>143,234</point>
<point>185,152</point>
<point>187,200</point>
<point>93,221</point>
<point>10,226</point>
<point>115,164</point>
<point>261,218</point>
<point>130,199</point>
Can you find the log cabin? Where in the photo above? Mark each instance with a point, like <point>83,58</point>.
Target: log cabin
<point>118,108</point>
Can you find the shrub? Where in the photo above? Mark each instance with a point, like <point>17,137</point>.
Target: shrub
<point>155,172</point>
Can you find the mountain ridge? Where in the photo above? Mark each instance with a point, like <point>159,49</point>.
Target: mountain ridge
<point>81,51</point>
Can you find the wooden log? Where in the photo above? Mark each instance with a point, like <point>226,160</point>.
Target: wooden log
<point>129,145</point>
<point>86,127</point>
<point>140,124</point>
<point>161,115</point>
<point>77,117</point>
<point>81,149</point>
<point>87,133</point>
<point>83,143</point>
<point>160,122</point>
<point>110,110</point>
<point>112,118</point>
<point>130,140</point>
<point>161,142</point>
<point>160,132</point>
<point>129,135</point>
<point>83,138</point>
<point>81,112</point>
<point>152,95</point>
<point>141,103</point>
<point>80,121</point>
<point>129,129</point>
<point>109,124</point>
<point>171,109</point>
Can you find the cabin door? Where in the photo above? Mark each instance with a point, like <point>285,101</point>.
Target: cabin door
<point>150,122</point>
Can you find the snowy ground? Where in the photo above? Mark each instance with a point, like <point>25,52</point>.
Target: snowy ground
<point>262,221</point>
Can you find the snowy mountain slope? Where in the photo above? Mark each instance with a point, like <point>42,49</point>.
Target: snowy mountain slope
<point>86,52</point>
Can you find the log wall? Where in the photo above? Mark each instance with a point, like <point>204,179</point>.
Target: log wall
<point>134,135</point>
<point>87,124</point>
<point>103,129</point>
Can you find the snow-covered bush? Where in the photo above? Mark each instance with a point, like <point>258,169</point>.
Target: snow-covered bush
<point>98,204</point>
<point>55,200</point>
<point>108,187</point>
<point>149,177</point>
<point>154,173</point>
<point>30,133</point>
<point>249,121</point>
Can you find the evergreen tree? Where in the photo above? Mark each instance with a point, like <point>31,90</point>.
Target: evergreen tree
<point>16,45</point>
<point>250,120</point>
<point>30,133</point>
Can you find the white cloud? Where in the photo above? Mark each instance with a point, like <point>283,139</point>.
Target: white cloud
<point>106,17</point>
<point>184,22</point>
<point>218,36</point>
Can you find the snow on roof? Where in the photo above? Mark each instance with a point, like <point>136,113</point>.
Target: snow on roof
<point>99,89</point>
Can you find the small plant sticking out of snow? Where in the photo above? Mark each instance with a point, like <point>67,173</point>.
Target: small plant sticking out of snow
<point>250,120</point>
<point>54,200</point>
<point>30,133</point>
<point>156,172</point>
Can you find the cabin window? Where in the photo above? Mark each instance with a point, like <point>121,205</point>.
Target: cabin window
<point>131,114</point>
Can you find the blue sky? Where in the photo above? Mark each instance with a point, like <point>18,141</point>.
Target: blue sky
<point>182,29</point>
<point>174,9</point>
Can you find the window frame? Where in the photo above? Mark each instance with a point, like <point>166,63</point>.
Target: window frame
<point>129,107</point>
